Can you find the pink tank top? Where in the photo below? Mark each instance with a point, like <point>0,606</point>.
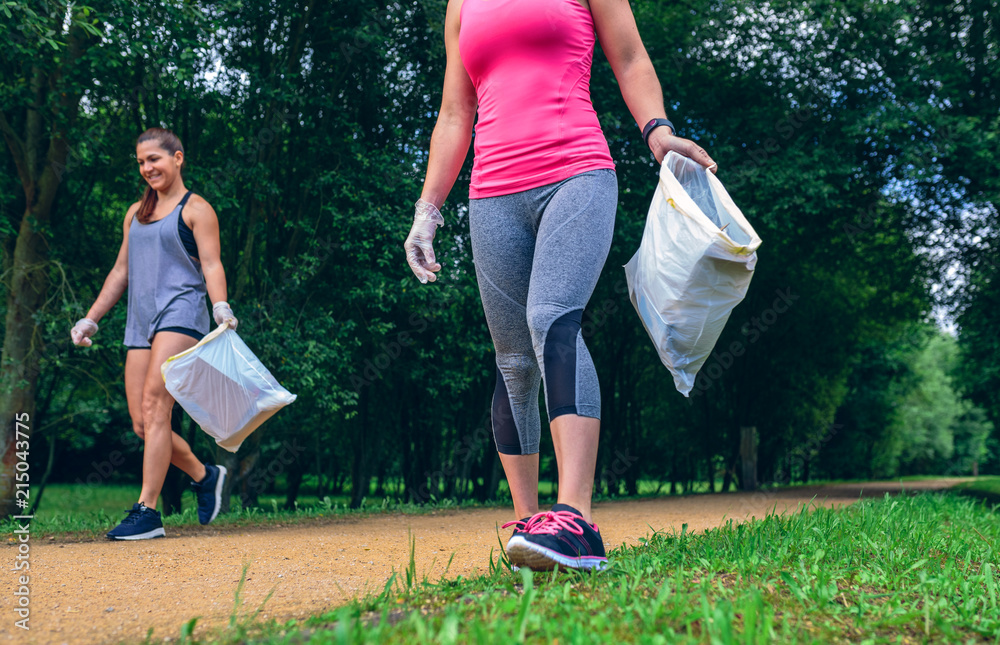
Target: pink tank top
<point>529,61</point>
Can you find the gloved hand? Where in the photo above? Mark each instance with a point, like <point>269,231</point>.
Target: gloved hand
<point>82,331</point>
<point>223,313</point>
<point>419,252</point>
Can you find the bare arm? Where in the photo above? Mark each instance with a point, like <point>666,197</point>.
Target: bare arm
<point>117,281</point>
<point>453,130</point>
<point>641,90</point>
<point>204,224</point>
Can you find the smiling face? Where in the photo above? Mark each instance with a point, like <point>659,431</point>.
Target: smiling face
<point>157,166</point>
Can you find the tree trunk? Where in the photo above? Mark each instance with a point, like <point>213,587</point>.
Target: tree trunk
<point>406,416</point>
<point>632,469</point>
<point>23,343</point>
<point>496,471</point>
<point>252,482</point>
<point>294,485</point>
<point>359,470</point>
<point>727,478</point>
<point>748,457</point>
<point>321,489</point>
<point>40,489</point>
<point>232,462</point>
<point>710,467</point>
<point>40,154</point>
<point>246,258</point>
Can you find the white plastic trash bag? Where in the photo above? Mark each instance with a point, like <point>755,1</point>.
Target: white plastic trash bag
<point>224,387</point>
<point>694,264</point>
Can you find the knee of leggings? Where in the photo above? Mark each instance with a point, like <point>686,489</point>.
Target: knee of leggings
<point>559,336</point>
<point>521,366</point>
<point>539,321</point>
<point>559,356</point>
<point>550,326</point>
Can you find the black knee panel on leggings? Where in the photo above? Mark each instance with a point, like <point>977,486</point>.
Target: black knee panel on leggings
<point>504,427</point>
<point>560,363</point>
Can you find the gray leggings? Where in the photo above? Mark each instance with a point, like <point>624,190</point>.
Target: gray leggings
<point>538,255</point>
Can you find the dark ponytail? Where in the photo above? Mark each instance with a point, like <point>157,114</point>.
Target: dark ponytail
<point>172,144</point>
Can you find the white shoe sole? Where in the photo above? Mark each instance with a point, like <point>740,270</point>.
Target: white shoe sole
<point>148,535</point>
<point>523,553</point>
<point>218,492</point>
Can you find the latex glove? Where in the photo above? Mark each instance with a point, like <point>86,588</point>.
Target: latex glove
<point>82,331</point>
<point>419,251</point>
<point>223,313</point>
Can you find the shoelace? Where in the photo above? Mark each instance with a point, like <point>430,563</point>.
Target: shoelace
<point>550,523</point>
<point>132,515</point>
<point>522,525</point>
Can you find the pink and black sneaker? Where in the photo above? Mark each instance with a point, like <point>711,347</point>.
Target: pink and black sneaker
<point>519,526</point>
<point>560,536</point>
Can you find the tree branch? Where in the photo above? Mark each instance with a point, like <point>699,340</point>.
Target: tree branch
<point>64,113</point>
<point>16,147</point>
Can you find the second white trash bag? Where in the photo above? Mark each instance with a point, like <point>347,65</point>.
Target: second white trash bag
<point>693,266</point>
<point>224,387</point>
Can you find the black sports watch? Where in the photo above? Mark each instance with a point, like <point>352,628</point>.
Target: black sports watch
<point>652,125</point>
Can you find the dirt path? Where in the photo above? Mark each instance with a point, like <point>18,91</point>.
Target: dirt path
<point>108,592</point>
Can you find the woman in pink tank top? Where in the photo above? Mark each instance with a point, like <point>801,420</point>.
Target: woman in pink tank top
<point>543,198</point>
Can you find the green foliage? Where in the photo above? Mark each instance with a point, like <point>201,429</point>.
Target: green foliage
<point>931,409</point>
<point>788,155</point>
<point>979,370</point>
<point>974,444</point>
<point>910,415</point>
<point>941,431</point>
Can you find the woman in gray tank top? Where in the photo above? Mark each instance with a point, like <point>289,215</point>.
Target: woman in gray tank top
<point>168,262</point>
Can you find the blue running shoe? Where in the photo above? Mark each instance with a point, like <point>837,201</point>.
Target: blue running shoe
<point>209,492</point>
<point>559,537</point>
<point>140,523</point>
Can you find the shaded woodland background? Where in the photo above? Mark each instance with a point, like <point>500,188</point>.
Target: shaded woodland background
<point>861,139</point>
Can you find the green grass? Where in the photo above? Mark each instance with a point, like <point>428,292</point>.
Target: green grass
<point>62,499</point>
<point>911,569</point>
<point>984,488</point>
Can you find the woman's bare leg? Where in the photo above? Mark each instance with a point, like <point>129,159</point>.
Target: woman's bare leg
<point>522,478</point>
<point>136,367</point>
<point>576,440</point>
<point>162,445</point>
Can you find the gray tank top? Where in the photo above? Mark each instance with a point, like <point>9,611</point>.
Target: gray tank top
<point>166,287</point>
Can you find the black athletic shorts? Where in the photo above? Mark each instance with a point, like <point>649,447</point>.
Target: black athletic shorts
<point>197,335</point>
